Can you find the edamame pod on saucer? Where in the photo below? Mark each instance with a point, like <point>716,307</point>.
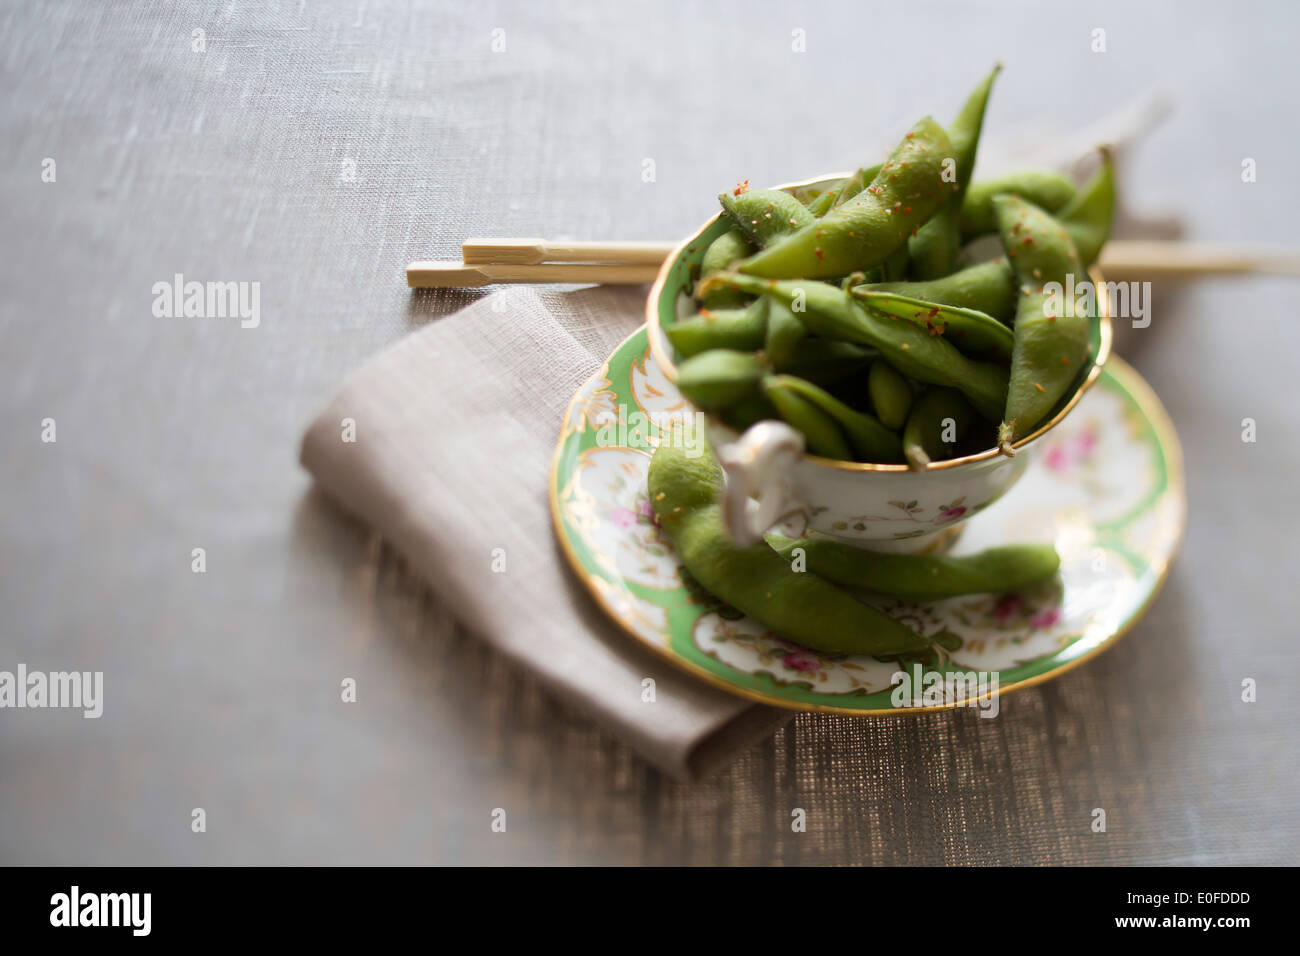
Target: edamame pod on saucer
<point>915,577</point>
<point>684,483</point>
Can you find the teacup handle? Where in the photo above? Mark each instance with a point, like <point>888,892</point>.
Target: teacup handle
<point>760,463</point>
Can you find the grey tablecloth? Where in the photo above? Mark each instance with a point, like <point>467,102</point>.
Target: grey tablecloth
<point>315,148</point>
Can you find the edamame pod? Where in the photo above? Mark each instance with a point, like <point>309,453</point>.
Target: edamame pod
<point>1087,217</point>
<point>722,252</point>
<point>938,421</point>
<point>973,332</point>
<point>825,361</point>
<point>871,441</point>
<point>784,331</point>
<point>1051,335</point>
<point>764,215</point>
<point>823,202</point>
<point>833,313</point>
<point>1047,190</point>
<point>749,411</point>
<point>720,377</point>
<point>989,287</point>
<point>891,396</point>
<point>934,248</point>
<point>821,434</point>
<point>866,229</point>
<point>683,484</point>
<point>915,577</point>
<point>855,184</point>
<point>738,329</point>
<point>844,190</point>
<point>894,268</point>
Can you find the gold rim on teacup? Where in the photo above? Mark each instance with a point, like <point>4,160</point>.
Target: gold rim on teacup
<point>662,353</point>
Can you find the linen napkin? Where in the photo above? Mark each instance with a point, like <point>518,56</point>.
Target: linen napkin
<point>453,432</point>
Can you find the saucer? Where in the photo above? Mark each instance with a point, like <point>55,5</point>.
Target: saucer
<point>1106,486</point>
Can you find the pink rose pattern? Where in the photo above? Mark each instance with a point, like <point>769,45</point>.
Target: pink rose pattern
<point>801,661</point>
<point>1073,450</point>
<point>950,514</point>
<point>1009,609</point>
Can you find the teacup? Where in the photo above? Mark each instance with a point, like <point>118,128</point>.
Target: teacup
<point>881,507</point>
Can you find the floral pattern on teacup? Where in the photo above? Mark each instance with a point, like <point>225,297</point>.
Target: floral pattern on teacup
<point>928,518</point>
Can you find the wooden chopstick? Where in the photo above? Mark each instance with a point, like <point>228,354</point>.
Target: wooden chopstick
<point>1153,259</point>
<point>446,275</point>
<point>489,261</point>
<point>531,252</point>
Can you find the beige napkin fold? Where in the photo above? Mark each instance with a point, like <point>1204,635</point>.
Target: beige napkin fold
<point>455,427</point>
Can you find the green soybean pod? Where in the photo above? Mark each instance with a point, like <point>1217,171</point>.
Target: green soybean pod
<point>973,332</point>
<point>859,181</point>
<point>749,411</point>
<point>988,287</point>
<point>720,377</point>
<point>1051,334</point>
<point>933,250</point>
<point>784,332</point>
<point>764,215</point>
<point>891,396</point>
<point>1087,217</point>
<point>843,190</point>
<point>823,202</point>
<point>834,313</point>
<point>825,361</point>
<point>915,577</point>
<point>684,482</point>
<point>742,329</point>
<point>871,441</point>
<point>874,223</point>
<point>821,434</point>
<point>729,247</point>
<point>938,420</point>
<point>1045,189</point>
<point>894,268</point>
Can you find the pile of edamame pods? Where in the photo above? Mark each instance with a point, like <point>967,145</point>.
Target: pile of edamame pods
<point>815,606</point>
<point>864,319</point>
